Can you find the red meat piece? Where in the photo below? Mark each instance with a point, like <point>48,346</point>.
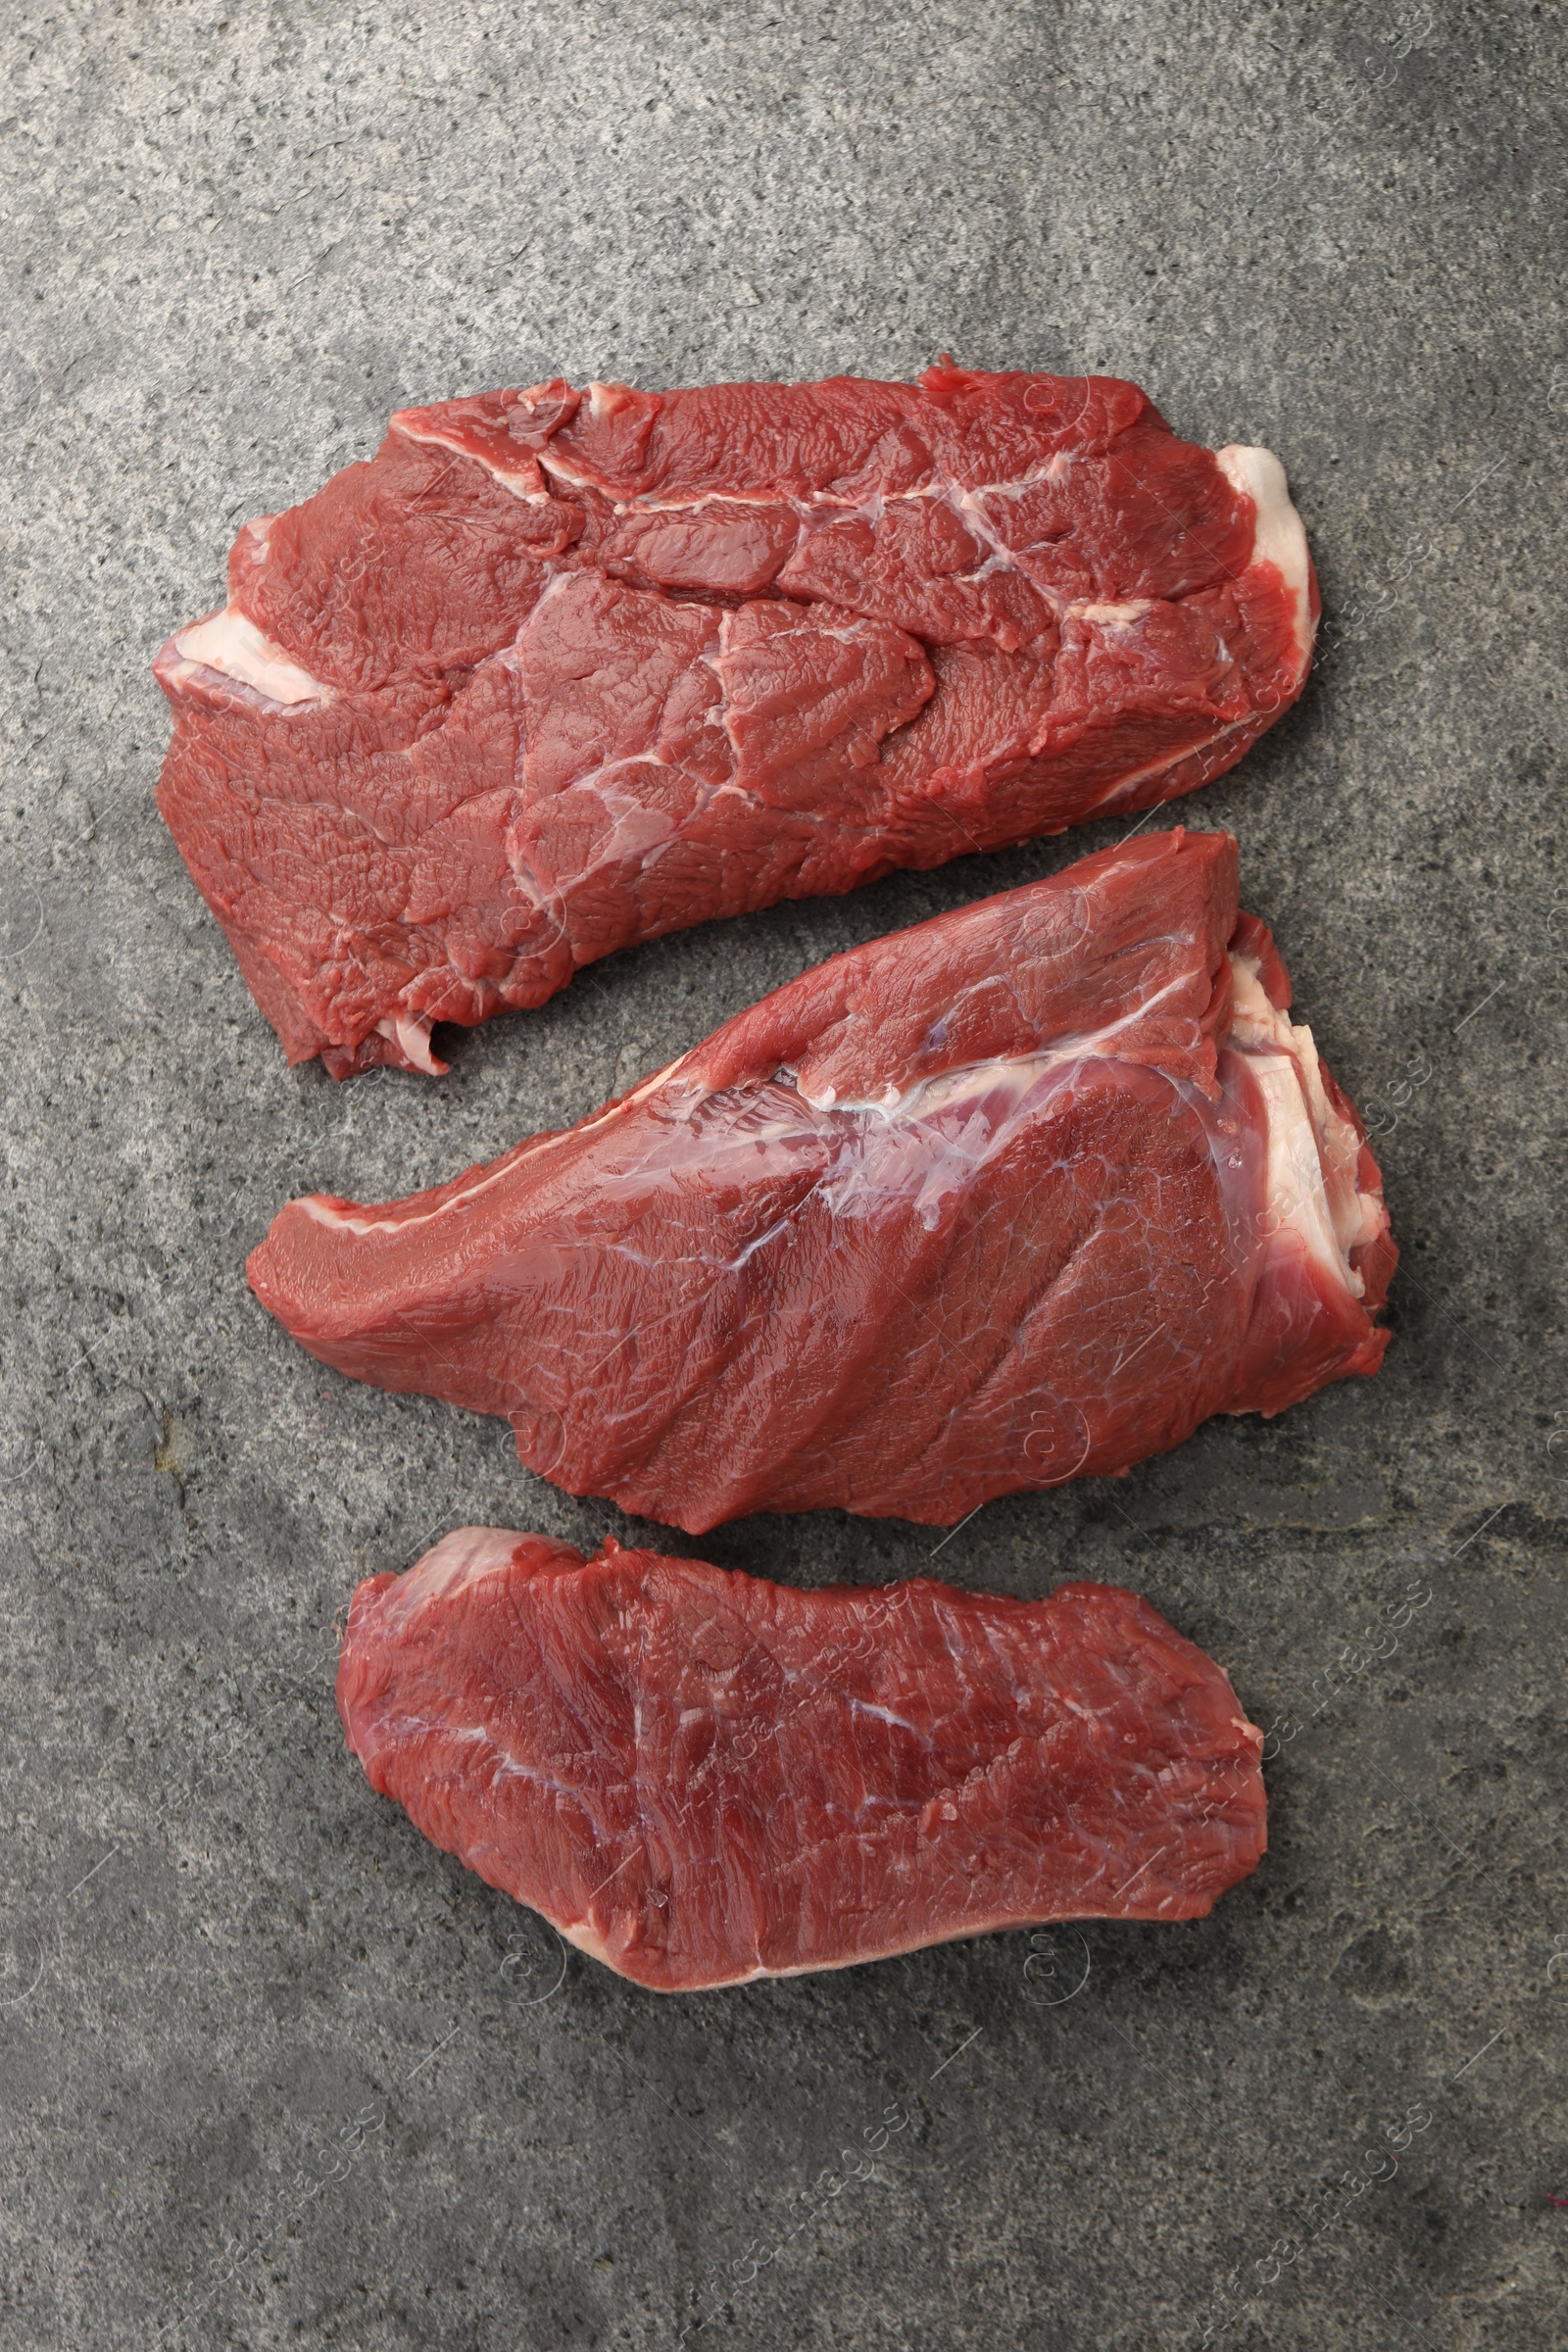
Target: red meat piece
<point>701,1777</point>
<point>1021,1195</point>
<point>557,672</point>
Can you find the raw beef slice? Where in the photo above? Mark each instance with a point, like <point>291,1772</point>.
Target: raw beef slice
<point>701,1777</point>
<point>556,672</point>
<point>1017,1196</point>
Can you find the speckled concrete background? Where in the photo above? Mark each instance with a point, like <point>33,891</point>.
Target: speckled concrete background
<point>273,2072</point>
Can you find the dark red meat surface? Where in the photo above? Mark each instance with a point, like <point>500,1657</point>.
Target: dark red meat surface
<point>702,1777</point>
<point>1022,1194</point>
<point>556,673</point>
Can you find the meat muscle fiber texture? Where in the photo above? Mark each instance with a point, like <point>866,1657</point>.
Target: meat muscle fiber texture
<point>702,1777</point>
<point>559,671</point>
<point>1021,1195</point>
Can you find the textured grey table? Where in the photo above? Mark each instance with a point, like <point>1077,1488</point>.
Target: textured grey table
<point>276,2073</point>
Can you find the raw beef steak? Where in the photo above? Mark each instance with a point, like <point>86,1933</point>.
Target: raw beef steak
<point>559,671</point>
<point>1021,1195</point>
<point>701,1777</point>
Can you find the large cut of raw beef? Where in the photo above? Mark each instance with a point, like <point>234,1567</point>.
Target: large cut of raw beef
<point>702,1777</point>
<point>1019,1195</point>
<point>557,672</point>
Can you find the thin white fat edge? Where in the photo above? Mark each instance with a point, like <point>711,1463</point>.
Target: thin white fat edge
<point>235,648</point>
<point>466,1556</point>
<point>1278,535</point>
<point>410,1032</point>
<point>469,1555</point>
<point>584,1937</point>
<point>1313,1150</point>
<point>524,484</point>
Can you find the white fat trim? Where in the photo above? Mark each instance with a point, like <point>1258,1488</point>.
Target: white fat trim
<point>235,648</point>
<point>1080,1907</point>
<point>1312,1152</point>
<point>1279,536</point>
<point>466,1556</point>
<point>524,484</point>
<point>573,479</point>
<point>411,1032</point>
<point>587,1939</point>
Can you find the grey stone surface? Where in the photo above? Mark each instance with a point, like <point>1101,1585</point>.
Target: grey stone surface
<point>273,2072</point>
